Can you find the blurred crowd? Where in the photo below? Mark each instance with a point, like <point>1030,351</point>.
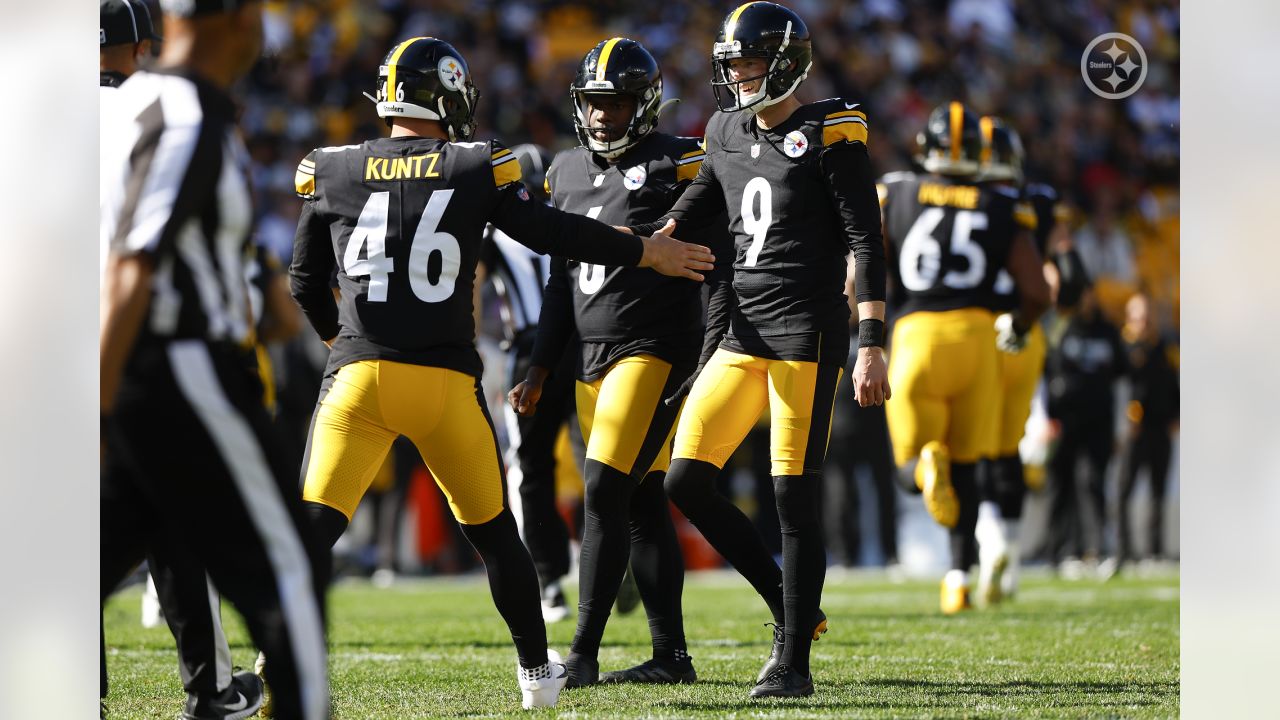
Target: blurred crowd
<point>1114,163</point>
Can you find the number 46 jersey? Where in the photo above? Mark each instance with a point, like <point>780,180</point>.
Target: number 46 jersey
<point>399,221</point>
<point>949,238</point>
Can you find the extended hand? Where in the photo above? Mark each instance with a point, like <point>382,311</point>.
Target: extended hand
<point>672,257</point>
<point>524,397</point>
<point>871,377</point>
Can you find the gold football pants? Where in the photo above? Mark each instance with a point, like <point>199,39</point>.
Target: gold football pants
<point>624,421</point>
<point>943,371</point>
<point>371,402</point>
<point>731,393</point>
<point>1019,375</point>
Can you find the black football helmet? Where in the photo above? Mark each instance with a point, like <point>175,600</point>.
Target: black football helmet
<point>1002,152</point>
<point>951,142</point>
<point>426,78</point>
<point>617,66</point>
<point>762,30</point>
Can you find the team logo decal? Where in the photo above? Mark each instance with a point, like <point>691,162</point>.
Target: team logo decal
<point>451,73</point>
<point>599,179</point>
<point>755,151</point>
<point>634,177</point>
<point>795,144</point>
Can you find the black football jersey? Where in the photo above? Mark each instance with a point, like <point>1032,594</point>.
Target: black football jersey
<point>400,220</point>
<point>622,311</point>
<point>949,239</point>
<point>790,238</point>
<point>1042,201</point>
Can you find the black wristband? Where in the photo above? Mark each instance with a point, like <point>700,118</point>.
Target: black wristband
<point>870,333</point>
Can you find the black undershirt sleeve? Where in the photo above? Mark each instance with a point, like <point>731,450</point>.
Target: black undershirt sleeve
<point>555,322</point>
<point>852,185</point>
<point>701,202</point>
<point>549,231</point>
<point>311,270</point>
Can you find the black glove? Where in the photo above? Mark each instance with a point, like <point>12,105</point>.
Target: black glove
<point>678,396</point>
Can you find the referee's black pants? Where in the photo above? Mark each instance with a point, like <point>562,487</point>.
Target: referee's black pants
<point>191,469</point>
<point>531,461</point>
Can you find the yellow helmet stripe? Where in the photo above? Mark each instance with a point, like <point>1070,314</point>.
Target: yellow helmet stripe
<point>987,126</point>
<point>732,25</point>
<point>391,66</point>
<point>957,128</point>
<point>603,62</point>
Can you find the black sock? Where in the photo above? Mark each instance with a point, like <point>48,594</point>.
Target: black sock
<point>804,562</point>
<point>658,566</point>
<point>513,583</point>
<point>327,524</point>
<point>1011,486</point>
<point>606,546</point>
<point>964,547</point>
<point>691,485</point>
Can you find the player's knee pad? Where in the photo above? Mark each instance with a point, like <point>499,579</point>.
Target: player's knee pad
<point>691,484</point>
<point>327,524</point>
<point>799,500</point>
<point>608,490</point>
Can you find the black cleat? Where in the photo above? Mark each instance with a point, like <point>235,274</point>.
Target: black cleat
<point>783,682</point>
<point>581,671</point>
<point>657,671</point>
<point>240,700</point>
<point>780,638</point>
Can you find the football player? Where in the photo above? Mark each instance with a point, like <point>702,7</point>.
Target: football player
<point>948,238</point>
<point>798,188</point>
<point>641,334</point>
<point>1001,480</point>
<point>400,219</point>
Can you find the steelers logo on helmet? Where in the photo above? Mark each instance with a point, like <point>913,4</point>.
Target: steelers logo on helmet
<point>451,73</point>
<point>634,177</point>
<point>617,66</point>
<point>426,78</point>
<point>795,144</point>
<point>771,33</point>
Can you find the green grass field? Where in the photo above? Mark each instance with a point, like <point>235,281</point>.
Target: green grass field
<point>438,649</point>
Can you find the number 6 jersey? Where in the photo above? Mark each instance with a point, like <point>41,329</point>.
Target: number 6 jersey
<point>399,220</point>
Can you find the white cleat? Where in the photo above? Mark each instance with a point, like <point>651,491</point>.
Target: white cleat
<point>541,686</point>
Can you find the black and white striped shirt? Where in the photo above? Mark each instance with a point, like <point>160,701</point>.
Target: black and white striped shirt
<point>519,275</point>
<point>175,186</point>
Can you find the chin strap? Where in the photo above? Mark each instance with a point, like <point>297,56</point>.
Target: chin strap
<point>669,102</point>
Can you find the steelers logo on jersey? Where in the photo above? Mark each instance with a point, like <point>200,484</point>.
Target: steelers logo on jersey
<point>795,144</point>
<point>451,73</point>
<point>634,177</point>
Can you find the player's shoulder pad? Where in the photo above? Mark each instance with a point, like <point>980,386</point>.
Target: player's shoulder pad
<point>506,166</point>
<point>689,154</point>
<point>842,121</point>
<point>304,180</point>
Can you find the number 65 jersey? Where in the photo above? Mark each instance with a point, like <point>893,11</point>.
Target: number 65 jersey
<point>399,221</point>
<point>949,238</point>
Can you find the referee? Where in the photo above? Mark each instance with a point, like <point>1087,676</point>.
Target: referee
<point>188,465</point>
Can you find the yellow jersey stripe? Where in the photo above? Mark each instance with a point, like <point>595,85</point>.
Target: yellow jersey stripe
<point>696,157</point>
<point>688,170</point>
<point>501,153</point>
<point>732,25</point>
<point>691,153</point>
<point>603,63</point>
<point>1025,216</point>
<point>847,113</point>
<point>957,129</point>
<point>308,163</point>
<point>987,126</point>
<point>499,160</point>
<point>882,192</point>
<point>844,132</point>
<point>505,172</point>
<point>304,184</point>
<point>391,67</point>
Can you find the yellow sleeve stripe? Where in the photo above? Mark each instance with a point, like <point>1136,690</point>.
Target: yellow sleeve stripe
<point>691,158</point>
<point>304,184</point>
<point>303,170</point>
<point>882,191</point>
<point>688,169</point>
<point>307,162</point>
<point>691,153</point>
<point>504,152</point>
<point>506,171</point>
<point>845,131</point>
<point>546,185</point>
<point>848,113</point>
<point>1025,216</point>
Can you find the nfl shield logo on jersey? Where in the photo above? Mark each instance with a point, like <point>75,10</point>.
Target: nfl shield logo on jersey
<point>795,144</point>
<point>634,177</point>
<point>755,151</point>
